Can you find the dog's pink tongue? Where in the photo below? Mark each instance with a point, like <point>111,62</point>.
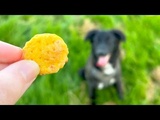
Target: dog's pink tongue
<point>102,61</point>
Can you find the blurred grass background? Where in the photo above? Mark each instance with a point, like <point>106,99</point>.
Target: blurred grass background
<point>141,56</point>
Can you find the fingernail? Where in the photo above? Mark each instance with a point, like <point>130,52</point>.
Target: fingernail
<point>29,70</point>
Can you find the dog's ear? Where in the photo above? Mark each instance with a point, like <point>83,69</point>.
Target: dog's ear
<point>90,35</point>
<point>119,35</point>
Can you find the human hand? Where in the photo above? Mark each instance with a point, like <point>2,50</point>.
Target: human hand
<point>16,75</point>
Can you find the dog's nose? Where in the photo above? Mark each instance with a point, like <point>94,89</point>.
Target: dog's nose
<point>101,52</point>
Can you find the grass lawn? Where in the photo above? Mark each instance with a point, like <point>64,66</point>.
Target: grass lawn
<point>141,55</point>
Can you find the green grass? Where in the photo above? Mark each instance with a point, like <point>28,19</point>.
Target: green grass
<point>142,54</point>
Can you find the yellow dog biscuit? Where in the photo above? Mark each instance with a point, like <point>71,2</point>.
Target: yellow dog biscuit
<point>49,51</point>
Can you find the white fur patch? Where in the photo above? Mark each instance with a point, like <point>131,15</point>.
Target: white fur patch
<point>112,81</point>
<point>100,86</point>
<point>108,69</point>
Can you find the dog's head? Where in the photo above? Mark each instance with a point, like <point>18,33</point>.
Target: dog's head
<point>103,44</point>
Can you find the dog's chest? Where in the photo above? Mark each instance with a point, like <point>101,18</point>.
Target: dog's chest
<point>108,70</point>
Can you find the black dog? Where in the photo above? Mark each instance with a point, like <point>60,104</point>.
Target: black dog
<point>103,67</point>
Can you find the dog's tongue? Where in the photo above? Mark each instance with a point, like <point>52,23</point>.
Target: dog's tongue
<point>102,61</point>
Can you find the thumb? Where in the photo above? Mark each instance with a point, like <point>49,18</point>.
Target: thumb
<point>15,80</point>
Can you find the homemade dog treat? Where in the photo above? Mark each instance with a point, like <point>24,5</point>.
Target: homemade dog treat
<point>48,50</point>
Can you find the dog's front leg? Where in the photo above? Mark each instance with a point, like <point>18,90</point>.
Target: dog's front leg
<point>92,94</point>
<point>119,87</point>
<point>118,84</point>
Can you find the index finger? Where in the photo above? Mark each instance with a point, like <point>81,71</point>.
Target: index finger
<point>9,53</point>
